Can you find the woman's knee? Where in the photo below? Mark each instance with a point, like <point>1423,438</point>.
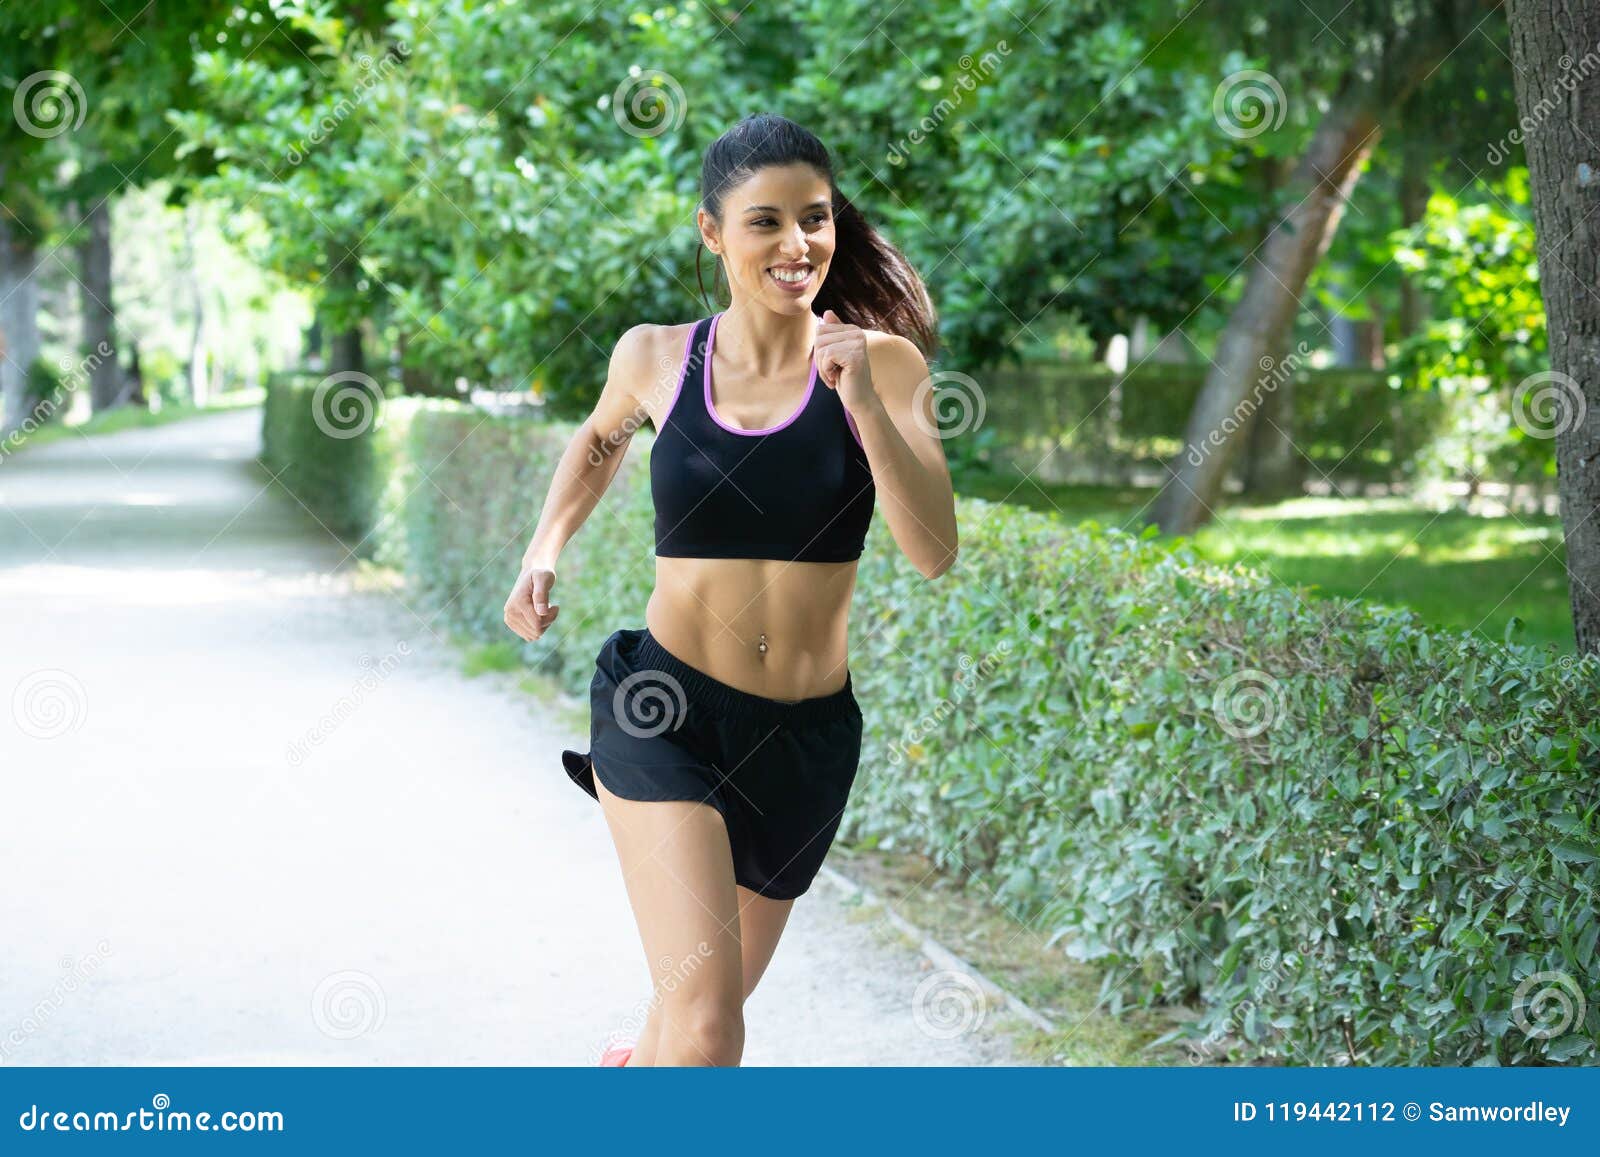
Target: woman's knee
<point>709,1029</point>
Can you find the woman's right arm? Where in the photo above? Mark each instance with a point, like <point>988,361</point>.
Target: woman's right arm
<point>585,470</point>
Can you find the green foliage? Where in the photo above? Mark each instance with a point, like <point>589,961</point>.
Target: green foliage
<point>1327,825</point>
<point>1478,259</point>
<point>1351,421</point>
<point>336,478</point>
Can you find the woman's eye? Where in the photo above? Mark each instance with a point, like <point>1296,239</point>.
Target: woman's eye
<point>820,218</point>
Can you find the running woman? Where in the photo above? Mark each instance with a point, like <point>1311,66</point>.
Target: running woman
<point>725,733</point>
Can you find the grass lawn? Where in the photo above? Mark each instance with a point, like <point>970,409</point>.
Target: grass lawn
<point>1456,570</point>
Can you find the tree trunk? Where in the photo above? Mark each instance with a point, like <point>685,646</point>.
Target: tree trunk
<point>99,320</point>
<point>1249,362</point>
<point>1274,467</point>
<point>346,355</point>
<point>19,320</point>
<point>1563,106</point>
<point>1414,193</point>
<point>1270,467</point>
<point>196,369</point>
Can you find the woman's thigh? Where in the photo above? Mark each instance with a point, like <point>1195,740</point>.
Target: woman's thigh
<point>678,870</point>
<point>761,923</point>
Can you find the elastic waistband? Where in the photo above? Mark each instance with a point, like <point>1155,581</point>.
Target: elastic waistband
<point>714,693</point>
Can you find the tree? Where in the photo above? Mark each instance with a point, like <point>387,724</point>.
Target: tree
<point>1557,100</point>
<point>1393,49</point>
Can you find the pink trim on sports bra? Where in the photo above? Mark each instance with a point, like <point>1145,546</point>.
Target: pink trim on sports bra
<point>854,433</point>
<point>811,386</point>
<point>683,372</point>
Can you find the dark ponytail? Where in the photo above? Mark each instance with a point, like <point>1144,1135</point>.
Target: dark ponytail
<point>870,283</point>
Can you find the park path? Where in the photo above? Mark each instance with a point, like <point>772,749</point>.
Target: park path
<point>424,887</point>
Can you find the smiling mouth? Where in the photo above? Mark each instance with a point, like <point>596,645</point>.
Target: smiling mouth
<point>792,276</point>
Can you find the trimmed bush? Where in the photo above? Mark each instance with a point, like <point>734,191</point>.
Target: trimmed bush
<point>1347,837</point>
<point>319,441</point>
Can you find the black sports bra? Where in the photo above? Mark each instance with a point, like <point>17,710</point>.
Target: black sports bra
<point>800,491</point>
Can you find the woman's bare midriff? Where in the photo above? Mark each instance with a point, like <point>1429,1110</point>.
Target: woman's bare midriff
<point>713,612</point>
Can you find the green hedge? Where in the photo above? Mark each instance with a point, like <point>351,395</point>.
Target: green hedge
<point>1349,419</point>
<point>1322,822</point>
<point>321,442</point>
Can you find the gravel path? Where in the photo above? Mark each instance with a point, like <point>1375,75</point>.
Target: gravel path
<point>256,816</point>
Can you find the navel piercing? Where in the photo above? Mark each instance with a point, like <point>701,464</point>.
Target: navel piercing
<point>762,646</point>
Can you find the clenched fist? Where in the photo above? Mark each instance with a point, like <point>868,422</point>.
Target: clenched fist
<point>528,610</point>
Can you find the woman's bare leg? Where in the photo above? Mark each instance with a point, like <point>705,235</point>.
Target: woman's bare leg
<point>678,870</point>
<point>761,923</point>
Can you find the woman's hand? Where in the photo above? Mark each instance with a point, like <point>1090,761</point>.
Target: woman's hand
<point>528,610</point>
<point>841,355</point>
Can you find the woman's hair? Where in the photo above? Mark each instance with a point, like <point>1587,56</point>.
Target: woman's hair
<point>869,283</point>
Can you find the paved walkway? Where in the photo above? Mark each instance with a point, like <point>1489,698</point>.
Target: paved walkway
<point>419,885</point>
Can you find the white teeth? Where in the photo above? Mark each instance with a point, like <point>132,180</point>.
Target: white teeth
<point>793,277</point>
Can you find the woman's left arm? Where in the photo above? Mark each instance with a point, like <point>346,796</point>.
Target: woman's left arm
<point>885,385</point>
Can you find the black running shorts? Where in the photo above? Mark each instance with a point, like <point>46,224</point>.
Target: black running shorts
<point>778,772</point>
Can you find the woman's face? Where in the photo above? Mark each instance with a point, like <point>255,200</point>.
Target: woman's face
<point>780,220</point>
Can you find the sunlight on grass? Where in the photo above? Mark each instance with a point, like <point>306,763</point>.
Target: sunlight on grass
<point>1456,570</point>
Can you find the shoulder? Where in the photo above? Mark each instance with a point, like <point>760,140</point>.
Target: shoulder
<point>648,342</point>
<point>646,364</point>
<point>898,366</point>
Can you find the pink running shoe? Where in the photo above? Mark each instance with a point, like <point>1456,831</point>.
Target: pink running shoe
<point>616,1056</point>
